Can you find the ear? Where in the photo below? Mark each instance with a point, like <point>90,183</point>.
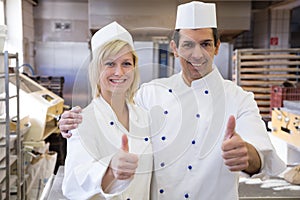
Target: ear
<point>174,48</point>
<point>217,47</point>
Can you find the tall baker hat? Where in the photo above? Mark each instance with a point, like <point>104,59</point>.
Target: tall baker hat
<point>195,15</point>
<point>110,32</point>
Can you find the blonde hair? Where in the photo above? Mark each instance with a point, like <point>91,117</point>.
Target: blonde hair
<point>111,48</point>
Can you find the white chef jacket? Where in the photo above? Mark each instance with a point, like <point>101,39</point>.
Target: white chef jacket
<point>92,146</point>
<point>188,127</point>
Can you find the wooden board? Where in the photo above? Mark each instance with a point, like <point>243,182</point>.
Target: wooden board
<point>259,63</point>
<point>270,56</point>
<point>270,69</point>
<point>269,76</point>
<point>263,83</point>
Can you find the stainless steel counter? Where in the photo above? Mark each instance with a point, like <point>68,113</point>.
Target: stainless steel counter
<point>246,191</point>
<point>254,191</point>
<point>55,191</point>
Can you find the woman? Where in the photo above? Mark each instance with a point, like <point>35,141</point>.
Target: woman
<point>109,155</point>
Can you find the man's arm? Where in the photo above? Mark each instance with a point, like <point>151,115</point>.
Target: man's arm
<point>254,160</point>
<point>239,155</point>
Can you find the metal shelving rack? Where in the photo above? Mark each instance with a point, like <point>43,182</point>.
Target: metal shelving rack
<point>12,186</point>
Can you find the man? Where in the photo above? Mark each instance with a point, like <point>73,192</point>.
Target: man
<point>205,130</point>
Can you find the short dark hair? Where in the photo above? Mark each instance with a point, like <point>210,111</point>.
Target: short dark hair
<point>176,36</point>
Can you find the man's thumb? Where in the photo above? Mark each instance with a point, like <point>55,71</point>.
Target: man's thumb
<point>125,146</point>
<point>230,128</point>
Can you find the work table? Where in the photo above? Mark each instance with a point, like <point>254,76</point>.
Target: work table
<point>246,191</point>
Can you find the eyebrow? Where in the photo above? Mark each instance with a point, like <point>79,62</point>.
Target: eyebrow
<point>127,58</point>
<point>207,40</point>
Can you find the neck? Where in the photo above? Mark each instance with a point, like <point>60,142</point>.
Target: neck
<point>118,104</point>
<point>188,81</point>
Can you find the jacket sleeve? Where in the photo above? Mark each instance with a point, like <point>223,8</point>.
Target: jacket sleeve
<point>252,129</point>
<point>83,175</point>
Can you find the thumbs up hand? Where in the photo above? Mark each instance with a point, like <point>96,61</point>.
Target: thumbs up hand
<point>234,148</point>
<point>125,146</point>
<point>123,163</point>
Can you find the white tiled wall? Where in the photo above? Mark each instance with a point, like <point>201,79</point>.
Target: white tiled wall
<point>28,33</point>
<point>280,28</point>
<point>273,23</point>
<point>261,30</point>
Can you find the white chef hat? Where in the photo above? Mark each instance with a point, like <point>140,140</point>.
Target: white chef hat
<point>195,15</point>
<point>110,32</point>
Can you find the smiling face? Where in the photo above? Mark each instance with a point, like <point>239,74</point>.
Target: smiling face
<point>196,50</point>
<point>113,71</point>
<point>117,73</point>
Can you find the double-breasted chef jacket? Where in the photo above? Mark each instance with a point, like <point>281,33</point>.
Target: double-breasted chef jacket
<point>90,150</point>
<point>188,126</point>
